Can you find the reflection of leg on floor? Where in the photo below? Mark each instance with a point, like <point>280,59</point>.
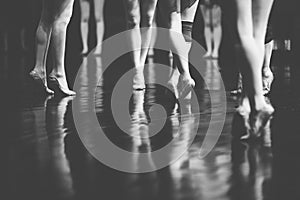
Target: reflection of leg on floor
<point>55,118</point>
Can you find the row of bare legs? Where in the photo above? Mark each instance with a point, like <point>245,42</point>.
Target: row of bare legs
<point>55,17</point>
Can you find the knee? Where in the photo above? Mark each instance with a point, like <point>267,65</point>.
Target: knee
<point>42,33</point>
<point>85,18</point>
<point>147,19</point>
<point>98,17</point>
<point>133,20</point>
<point>207,25</point>
<point>61,23</point>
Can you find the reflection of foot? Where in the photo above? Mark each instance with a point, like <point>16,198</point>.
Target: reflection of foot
<point>259,119</point>
<point>188,84</point>
<point>268,78</point>
<point>40,79</point>
<point>61,83</point>
<point>139,81</point>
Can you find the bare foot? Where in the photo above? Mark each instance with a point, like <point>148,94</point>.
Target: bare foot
<point>39,77</point>
<point>61,83</point>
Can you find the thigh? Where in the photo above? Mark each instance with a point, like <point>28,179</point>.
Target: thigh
<point>244,17</point>
<point>206,14</point>
<point>261,11</point>
<point>85,9</point>
<point>99,4</point>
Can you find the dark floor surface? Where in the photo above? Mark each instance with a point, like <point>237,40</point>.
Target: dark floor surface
<point>42,156</point>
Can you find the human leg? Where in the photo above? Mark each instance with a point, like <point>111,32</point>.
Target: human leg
<point>43,35</point>
<point>207,29</point>
<point>64,10</point>
<point>99,4</point>
<point>268,76</point>
<point>217,30</point>
<point>84,25</point>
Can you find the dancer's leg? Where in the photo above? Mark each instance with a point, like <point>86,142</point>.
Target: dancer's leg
<point>207,30</point>
<point>252,17</point>
<point>99,4</point>
<point>62,19</point>
<point>148,10</point>
<point>261,11</point>
<point>43,35</point>
<point>217,30</point>
<point>188,15</point>
<point>180,52</point>
<point>84,25</point>
<point>179,47</point>
<point>266,71</point>
<point>132,9</point>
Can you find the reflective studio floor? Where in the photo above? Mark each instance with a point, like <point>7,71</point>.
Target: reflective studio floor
<point>43,157</point>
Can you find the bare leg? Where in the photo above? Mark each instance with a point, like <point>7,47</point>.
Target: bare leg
<point>132,9</point>
<point>207,30</point>
<point>62,19</point>
<point>84,25</point>
<point>43,35</point>
<point>187,16</point>
<point>148,10</point>
<point>138,39</point>
<point>252,18</point>
<point>180,50</point>
<point>266,71</point>
<point>100,24</point>
<point>217,30</point>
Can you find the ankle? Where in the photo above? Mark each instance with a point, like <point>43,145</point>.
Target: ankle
<point>39,70</point>
<point>259,102</point>
<point>58,74</point>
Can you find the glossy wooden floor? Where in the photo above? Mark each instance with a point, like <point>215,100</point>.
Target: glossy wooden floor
<point>42,157</point>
